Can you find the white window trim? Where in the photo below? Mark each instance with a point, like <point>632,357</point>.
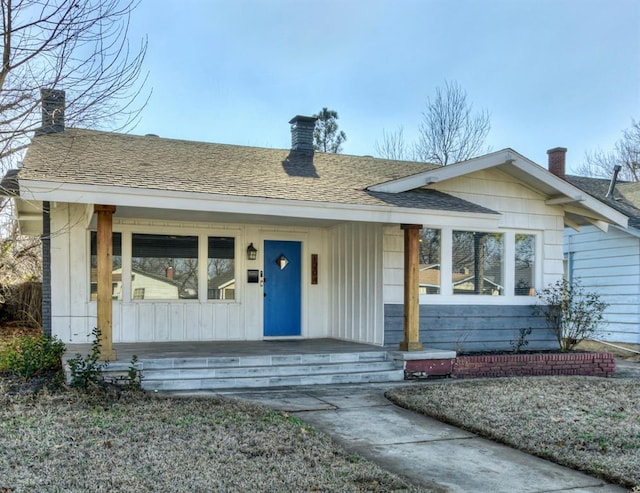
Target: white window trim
<point>446,296</point>
<point>127,231</point>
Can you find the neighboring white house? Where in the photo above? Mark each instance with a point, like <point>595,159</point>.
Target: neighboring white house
<point>608,263</point>
<point>330,231</point>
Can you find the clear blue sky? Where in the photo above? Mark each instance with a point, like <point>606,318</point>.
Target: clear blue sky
<point>550,72</point>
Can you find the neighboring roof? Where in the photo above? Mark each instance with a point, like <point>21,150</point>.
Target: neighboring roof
<point>626,196</point>
<point>220,281</point>
<point>150,275</point>
<point>429,275</point>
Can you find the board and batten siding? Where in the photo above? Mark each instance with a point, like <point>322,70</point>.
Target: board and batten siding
<point>467,322</point>
<point>74,315</point>
<point>355,279</point>
<point>609,264</point>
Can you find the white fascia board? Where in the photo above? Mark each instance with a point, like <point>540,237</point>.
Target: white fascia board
<point>191,201</point>
<point>565,200</point>
<point>445,172</point>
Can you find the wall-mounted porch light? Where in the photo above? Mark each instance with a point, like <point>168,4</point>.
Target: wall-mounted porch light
<point>252,253</point>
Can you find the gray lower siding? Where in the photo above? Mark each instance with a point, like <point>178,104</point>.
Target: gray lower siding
<point>465,328</point>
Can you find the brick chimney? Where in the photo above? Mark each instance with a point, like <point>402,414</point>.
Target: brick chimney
<point>169,272</point>
<point>557,161</point>
<point>302,133</point>
<point>53,103</point>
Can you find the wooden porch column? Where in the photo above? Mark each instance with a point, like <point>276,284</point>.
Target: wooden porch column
<point>411,331</point>
<point>105,279</point>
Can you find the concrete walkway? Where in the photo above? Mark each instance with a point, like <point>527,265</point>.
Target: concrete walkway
<point>427,452</point>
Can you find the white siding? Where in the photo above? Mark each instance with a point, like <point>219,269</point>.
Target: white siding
<point>74,315</point>
<point>355,257</point>
<point>609,264</point>
<point>522,211</point>
<point>519,205</point>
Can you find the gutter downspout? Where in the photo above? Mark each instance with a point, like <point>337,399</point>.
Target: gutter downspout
<point>46,269</point>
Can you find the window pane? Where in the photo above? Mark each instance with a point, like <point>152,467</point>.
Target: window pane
<point>477,263</point>
<point>116,244</point>
<point>164,267</point>
<point>525,262</point>
<point>429,261</point>
<point>221,284</point>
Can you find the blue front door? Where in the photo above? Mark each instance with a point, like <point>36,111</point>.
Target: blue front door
<point>282,300</point>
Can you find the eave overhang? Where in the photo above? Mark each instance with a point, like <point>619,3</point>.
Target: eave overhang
<point>34,193</point>
<point>579,207</point>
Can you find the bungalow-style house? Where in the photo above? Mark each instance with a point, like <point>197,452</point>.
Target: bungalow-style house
<point>309,245</point>
<point>608,263</point>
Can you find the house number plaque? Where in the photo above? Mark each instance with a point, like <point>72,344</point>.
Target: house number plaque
<point>314,268</point>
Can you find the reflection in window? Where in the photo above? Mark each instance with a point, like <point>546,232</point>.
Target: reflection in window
<point>221,283</point>
<point>429,261</point>
<point>525,261</point>
<point>116,244</point>
<point>164,267</point>
<point>477,263</point>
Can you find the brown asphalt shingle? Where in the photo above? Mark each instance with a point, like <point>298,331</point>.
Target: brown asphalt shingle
<point>626,197</point>
<point>110,159</point>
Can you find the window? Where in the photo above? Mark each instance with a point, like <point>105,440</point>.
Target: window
<point>429,274</point>
<point>164,266</point>
<point>477,263</point>
<point>525,262</point>
<point>116,244</point>
<point>221,282</point>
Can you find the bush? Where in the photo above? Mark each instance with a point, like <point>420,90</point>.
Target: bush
<point>571,312</point>
<point>32,356</point>
<point>87,371</point>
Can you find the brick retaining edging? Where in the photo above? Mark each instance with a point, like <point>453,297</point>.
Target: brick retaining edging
<point>511,365</point>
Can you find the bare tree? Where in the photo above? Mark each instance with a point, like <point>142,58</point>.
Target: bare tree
<point>450,132</point>
<point>393,146</point>
<point>81,46</point>
<point>625,153</point>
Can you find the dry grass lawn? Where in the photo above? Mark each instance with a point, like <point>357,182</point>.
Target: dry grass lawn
<point>590,424</point>
<point>74,443</point>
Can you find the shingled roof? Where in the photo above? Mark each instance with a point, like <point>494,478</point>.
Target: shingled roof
<point>626,197</point>
<point>96,158</point>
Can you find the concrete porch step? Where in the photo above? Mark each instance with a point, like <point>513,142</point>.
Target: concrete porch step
<point>264,371</point>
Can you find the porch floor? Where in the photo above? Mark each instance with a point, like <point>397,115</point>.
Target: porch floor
<point>199,349</point>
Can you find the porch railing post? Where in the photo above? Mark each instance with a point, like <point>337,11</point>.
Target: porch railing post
<point>411,328</point>
<point>105,279</point>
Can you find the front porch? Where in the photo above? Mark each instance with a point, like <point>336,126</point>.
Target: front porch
<point>191,366</point>
<point>239,349</point>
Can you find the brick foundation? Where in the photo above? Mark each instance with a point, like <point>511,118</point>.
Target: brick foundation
<point>429,367</point>
<point>510,365</point>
